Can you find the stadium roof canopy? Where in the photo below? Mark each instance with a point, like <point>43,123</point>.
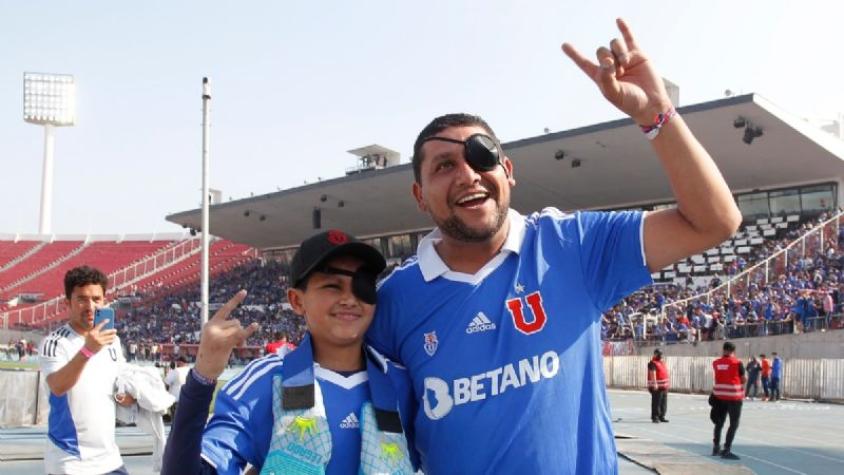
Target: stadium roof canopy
<point>617,169</point>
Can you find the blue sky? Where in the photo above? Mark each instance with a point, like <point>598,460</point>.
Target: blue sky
<point>296,84</point>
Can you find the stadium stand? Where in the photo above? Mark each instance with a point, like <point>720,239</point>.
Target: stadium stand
<point>788,280</point>
<point>166,317</point>
<point>224,256</point>
<point>784,285</point>
<point>106,256</point>
<point>732,256</point>
<point>47,257</point>
<point>35,289</point>
<point>11,252</point>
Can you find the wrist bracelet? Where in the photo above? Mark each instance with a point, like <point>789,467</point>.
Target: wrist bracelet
<point>86,352</point>
<point>202,379</point>
<point>651,131</point>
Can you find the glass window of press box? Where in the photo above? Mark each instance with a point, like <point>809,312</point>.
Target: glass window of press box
<point>806,201</point>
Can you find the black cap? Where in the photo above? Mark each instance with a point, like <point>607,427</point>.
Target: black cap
<point>318,248</point>
<point>657,352</point>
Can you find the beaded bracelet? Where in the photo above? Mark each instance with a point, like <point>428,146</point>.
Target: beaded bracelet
<point>651,131</point>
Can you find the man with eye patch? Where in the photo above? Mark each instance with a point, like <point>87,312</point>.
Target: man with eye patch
<point>497,316</point>
<point>330,406</point>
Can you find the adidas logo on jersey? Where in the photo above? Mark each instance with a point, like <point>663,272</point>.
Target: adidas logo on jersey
<point>480,324</point>
<point>350,422</point>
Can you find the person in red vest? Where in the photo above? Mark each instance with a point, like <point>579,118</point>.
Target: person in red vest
<point>658,387</point>
<point>726,399</point>
<point>766,375</point>
<point>279,345</point>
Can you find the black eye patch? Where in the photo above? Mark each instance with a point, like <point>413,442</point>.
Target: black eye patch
<point>363,282</point>
<point>481,151</point>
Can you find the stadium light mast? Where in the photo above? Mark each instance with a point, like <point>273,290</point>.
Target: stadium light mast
<point>206,113</point>
<point>48,100</point>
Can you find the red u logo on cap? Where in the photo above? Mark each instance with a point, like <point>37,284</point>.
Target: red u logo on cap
<point>337,237</point>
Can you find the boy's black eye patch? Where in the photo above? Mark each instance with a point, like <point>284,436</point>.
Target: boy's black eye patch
<point>363,282</point>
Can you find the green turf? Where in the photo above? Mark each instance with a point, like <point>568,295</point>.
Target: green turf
<point>18,365</point>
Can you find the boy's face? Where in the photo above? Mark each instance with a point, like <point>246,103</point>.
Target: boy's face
<point>336,318</point>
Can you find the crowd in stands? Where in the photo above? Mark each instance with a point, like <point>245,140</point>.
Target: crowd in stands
<point>172,318</point>
<point>804,295</point>
<point>800,294</point>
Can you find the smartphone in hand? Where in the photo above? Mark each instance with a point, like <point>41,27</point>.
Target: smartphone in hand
<point>104,313</point>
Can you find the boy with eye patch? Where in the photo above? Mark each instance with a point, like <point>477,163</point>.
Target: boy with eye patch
<point>332,406</point>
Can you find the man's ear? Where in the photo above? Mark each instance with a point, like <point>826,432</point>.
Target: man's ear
<point>296,298</point>
<point>417,195</point>
<point>508,169</point>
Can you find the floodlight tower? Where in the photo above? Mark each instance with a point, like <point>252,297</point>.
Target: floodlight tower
<point>48,100</point>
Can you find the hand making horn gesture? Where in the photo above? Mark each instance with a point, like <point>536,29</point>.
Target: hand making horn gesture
<point>219,337</point>
<point>626,77</point>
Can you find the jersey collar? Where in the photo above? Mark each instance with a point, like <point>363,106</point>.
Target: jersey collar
<point>432,265</point>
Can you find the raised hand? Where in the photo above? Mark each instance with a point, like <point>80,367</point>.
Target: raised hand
<point>97,338</point>
<point>625,76</point>
<point>219,337</point>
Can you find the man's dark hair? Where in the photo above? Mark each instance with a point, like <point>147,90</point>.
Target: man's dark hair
<point>82,276</point>
<point>728,346</point>
<point>438,125</point>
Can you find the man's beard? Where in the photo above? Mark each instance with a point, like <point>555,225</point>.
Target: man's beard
<point>456,229</point>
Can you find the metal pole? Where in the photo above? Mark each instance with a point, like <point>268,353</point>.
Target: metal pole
<point>206,111</point>
<point>766,270</point>
<point>45,220</point>
<point>37,390</point>
<point>785,271</point>
<point>821,232</point>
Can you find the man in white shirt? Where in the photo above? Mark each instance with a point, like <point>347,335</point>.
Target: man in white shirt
<point>80,362</point>
<point>176,378</point>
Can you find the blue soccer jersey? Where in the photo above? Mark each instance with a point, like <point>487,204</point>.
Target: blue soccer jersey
<point>506,363</point>
<point>241,428</point>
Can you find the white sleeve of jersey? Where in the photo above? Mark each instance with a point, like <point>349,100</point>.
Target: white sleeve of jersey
<point>54,354</point>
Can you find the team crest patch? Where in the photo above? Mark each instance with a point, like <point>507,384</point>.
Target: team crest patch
<point>431,343</point>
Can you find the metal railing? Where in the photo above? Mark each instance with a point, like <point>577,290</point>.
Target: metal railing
<point>743,330</point>
<point>809,245</point>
